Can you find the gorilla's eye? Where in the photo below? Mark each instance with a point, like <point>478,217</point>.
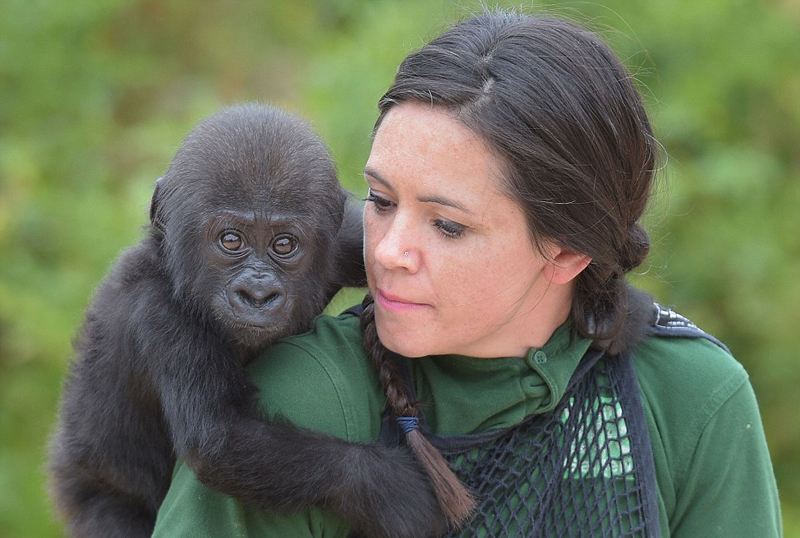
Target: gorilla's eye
<point>231,241</point>
<point>284,245</point>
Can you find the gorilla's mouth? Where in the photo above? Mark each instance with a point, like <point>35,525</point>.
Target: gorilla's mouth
<point>255,334</point>
<point>256,326</point>
<point>259,322</point>
<point>254,320</point>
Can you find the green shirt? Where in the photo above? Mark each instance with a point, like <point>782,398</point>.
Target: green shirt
<point>713,469</point>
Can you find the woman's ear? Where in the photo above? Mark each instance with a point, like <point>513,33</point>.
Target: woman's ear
<point>564,265</point>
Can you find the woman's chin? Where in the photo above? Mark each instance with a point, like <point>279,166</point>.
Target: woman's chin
<point>404,349</point>
<point>406,345</point>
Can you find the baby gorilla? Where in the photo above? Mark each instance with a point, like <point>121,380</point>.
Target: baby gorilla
<point>250,236</point>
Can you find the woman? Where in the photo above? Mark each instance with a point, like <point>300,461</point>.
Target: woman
<point>511,164</point>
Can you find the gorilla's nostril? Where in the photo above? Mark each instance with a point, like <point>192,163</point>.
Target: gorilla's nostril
<point>256,298</point>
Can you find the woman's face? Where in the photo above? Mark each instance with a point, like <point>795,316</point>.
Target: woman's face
<point>449,259</point>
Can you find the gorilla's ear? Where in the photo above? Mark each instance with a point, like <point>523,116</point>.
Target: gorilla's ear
<point>155,206</point>
<point>350,245</point>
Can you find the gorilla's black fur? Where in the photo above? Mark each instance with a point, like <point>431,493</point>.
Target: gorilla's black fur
<point>250,236</point>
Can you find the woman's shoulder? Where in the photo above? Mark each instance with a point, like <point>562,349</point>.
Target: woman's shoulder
<point>329,336</point>
<point>704,421</point>
<point>321,379</point>
<point>687,371</point>
<point>689,385</point>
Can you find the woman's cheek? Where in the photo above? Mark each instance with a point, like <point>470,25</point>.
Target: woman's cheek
<point>461,279</point>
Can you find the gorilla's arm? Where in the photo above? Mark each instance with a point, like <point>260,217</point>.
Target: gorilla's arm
<point>276,466</point>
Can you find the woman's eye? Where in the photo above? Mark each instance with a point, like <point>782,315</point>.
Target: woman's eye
<point>284,245</point>
<point>381,204</point>
<point>231,242</point>
<point>449,228</point>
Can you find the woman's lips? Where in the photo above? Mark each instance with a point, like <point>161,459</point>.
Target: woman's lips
<point>392,302</point>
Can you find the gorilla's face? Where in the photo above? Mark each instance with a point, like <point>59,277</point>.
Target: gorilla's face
<point>257,271</point>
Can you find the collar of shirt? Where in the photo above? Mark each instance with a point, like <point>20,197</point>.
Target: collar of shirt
<point>461,395</point>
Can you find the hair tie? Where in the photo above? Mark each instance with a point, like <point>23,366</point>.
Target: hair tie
<point>408,424</point>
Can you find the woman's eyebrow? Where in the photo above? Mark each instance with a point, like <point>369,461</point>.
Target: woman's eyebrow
<point>444,201</point>
<point>441,200</point>
<point>377,177</point>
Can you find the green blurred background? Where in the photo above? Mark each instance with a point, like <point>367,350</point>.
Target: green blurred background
<point>96,95</point>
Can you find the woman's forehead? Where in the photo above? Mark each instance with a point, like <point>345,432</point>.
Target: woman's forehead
<point>422,147</point>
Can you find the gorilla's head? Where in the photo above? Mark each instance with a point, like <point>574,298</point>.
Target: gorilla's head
<point>247,216</point>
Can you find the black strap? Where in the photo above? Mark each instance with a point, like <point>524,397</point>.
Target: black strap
<point>668,323</point>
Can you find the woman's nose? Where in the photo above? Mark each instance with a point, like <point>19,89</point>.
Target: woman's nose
<point>396,248</point>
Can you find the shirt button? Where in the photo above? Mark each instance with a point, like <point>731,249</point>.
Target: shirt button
<point>540,357</point>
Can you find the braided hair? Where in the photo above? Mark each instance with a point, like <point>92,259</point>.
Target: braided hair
<point>454,499</point>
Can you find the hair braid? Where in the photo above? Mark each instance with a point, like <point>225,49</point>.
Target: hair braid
<point>454,499</point>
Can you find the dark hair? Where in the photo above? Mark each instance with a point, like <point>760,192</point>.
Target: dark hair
<point>568,125</point>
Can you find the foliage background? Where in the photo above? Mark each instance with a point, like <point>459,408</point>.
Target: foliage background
<point>96,95</point>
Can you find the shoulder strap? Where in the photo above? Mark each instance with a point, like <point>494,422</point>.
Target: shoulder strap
<point>668,323</point>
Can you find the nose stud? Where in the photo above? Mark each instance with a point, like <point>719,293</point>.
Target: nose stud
<point>405,254</point>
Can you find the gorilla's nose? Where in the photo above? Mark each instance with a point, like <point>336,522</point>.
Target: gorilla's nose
<point>258,292</point>
<point>257,297</point>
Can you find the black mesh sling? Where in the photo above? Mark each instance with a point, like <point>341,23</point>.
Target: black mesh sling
<point>584,470</point>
